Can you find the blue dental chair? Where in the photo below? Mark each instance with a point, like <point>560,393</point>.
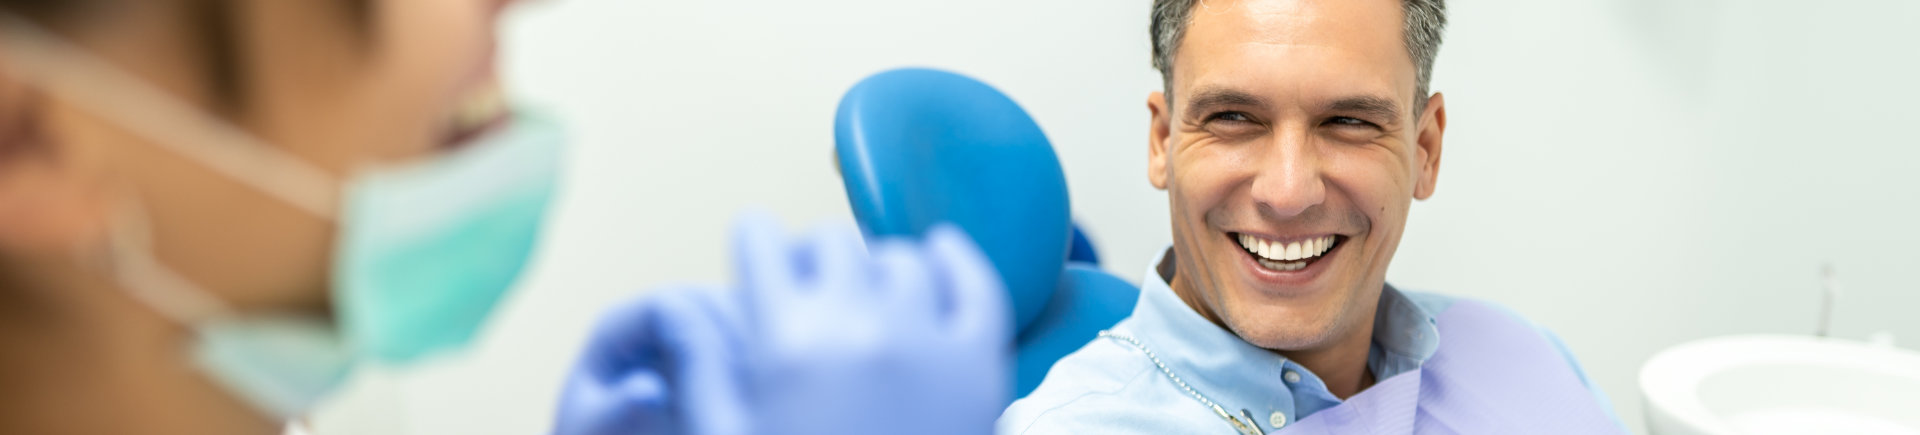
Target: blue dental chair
<point>918,147</point>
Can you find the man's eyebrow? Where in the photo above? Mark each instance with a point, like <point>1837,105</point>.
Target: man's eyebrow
<point>1206,99</point>
<point>1377,107</point>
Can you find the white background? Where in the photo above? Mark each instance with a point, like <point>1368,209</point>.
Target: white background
<point>1632,174</point>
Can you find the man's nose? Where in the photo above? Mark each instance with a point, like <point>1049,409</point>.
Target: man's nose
<point>1288,180</point>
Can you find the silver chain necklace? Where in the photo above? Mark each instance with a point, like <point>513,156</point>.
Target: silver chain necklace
<point>1242,423</point>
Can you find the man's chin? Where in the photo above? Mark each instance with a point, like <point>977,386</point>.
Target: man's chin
<point>1285,328</point>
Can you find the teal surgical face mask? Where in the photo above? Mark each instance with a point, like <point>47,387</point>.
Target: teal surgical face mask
<point>425,250</point>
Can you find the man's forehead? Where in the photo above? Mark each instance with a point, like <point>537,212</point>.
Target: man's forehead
<point>1305,47</point>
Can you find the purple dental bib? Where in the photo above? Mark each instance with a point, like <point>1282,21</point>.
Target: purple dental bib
<point>1491,374</point>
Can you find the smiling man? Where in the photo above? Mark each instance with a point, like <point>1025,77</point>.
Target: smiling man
<point>1291,138</point>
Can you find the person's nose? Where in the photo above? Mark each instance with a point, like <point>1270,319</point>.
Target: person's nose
<point>1288,180</point>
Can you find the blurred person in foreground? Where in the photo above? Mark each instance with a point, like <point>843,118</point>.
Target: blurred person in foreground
<point>211,211</point>
<point>1292,137</point>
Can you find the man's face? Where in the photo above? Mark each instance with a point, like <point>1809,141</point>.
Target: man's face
<point>1291,122</point>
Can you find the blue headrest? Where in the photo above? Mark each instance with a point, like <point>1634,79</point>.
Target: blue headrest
<point>1088,301</point>
<point>918,147</point>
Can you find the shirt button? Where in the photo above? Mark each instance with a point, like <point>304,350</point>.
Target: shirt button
<point>1291,377</point>
<point>1277,420</point>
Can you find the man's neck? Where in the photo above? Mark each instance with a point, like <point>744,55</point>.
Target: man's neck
<point>1341,363</point>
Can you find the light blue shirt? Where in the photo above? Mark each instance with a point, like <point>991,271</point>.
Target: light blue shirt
<point>1109,385</point>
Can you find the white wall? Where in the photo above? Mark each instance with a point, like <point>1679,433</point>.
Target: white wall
<point>1633,174</point>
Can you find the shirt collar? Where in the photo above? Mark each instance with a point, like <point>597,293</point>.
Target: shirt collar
<point>1225,367</point>
<point>1404,335</point>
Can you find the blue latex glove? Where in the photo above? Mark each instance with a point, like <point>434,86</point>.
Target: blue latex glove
<point>818,338</point>
<point>666,363</point>
<point>912,339</point>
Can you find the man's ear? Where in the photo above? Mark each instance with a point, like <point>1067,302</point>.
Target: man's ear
<point>1158,132</point>
<point>1433,126</point>
<point>50,201</point>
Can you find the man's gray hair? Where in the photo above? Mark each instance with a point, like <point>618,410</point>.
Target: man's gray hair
<point>1426,21</point>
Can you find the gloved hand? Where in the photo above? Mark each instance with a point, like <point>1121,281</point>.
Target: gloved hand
<point>915,338</point>
<point>665,363</point>
<point>816,338</point>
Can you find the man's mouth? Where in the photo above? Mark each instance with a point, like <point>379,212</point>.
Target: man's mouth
<point>1288,255</point>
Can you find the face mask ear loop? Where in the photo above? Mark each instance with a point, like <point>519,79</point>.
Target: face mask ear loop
<point>128,260</point>
<point>36,57</point>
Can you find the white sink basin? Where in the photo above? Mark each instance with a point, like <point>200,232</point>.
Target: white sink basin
<point>1782,384</point>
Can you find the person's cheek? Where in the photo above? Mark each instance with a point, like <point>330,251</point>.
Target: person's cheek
<point>1190,185</point>
<point>1216,172</point>
<point>1374,185</point>
<point>433,54</point>
<point>1199,188</point>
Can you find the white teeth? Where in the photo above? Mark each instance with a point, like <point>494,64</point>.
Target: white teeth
<point>1286,256</point>
<point>1284,266</point>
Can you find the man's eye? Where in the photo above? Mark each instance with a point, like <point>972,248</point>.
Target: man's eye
<point>1352,130</point>
<point>1342,121</point>
<point>1232,125</point>
<point>1229,117</point>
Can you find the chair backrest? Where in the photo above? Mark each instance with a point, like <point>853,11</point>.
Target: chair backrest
<point>918,147</point>
<point>1088,300</point>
